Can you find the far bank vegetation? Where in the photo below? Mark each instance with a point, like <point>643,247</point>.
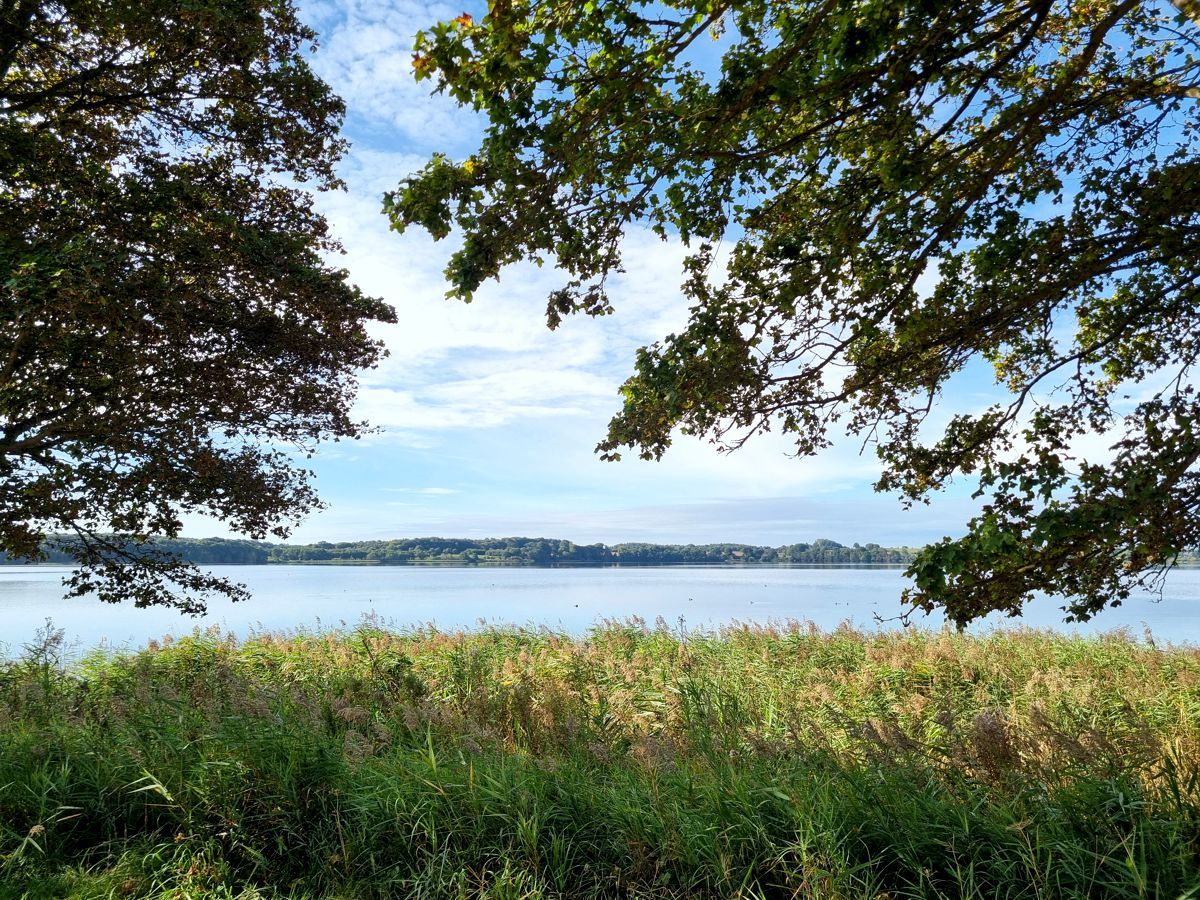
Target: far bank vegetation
<point>518,551</point>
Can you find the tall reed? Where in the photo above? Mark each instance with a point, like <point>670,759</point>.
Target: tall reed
<point>640,761</point>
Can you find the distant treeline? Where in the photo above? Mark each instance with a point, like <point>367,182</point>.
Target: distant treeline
<point>512,552</point>
<point>548,552</point>
<point>207,551</point>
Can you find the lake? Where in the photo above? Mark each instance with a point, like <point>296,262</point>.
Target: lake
<point>567,599</point>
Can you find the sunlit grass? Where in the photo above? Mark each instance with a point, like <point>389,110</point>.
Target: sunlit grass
<point>755,762</point>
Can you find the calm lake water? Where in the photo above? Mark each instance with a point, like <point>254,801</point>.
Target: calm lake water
<point>572,600</point>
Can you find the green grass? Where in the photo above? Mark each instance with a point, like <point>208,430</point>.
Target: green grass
<point>638,762</point>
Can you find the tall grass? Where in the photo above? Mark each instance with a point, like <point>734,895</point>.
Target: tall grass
<point>640,761</point>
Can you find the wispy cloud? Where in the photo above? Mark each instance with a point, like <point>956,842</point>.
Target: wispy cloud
<point>366,55</point>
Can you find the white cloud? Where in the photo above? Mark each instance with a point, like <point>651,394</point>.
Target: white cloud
<point>392,408</point>
<point>493,362</point>
<point>366,56</point>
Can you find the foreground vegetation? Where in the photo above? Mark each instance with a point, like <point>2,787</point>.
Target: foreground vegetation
<point>648,762</point>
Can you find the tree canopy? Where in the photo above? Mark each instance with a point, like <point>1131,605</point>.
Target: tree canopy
<point>173,336</point>
<point>903,189</point>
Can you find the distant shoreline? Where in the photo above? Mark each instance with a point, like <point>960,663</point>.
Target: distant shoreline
<point>460,564</point>
<point>492,552</point>
<point>507,552</point>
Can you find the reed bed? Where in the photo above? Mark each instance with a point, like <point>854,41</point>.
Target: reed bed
<point>639,761</point>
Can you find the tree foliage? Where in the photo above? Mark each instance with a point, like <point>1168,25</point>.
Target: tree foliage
<point>172,332</point>
<point>905,188</point>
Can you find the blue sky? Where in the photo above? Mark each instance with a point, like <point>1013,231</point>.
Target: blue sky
<point>487,419</point>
